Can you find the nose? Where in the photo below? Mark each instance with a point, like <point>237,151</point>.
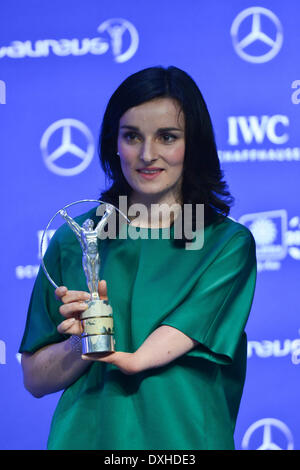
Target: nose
<point>148,152</point>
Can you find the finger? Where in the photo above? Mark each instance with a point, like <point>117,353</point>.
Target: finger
<point>70,327</point>
<point>75,296</point>
<point>72,308</point>
<point>102,289</point>
<point>60,292</point>
<point>66,326</point>
<point>102,357</point>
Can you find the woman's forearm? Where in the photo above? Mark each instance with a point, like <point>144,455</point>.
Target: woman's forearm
<point>164,345</point>
<point>52,368</point>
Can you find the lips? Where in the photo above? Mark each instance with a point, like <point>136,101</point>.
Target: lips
<point>148,169</point>
<point>150,173</point>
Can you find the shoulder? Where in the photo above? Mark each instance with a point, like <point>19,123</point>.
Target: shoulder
<point>228,234</point>
<point>228,228</point>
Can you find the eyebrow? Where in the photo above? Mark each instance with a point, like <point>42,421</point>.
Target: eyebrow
<point>161,129</point>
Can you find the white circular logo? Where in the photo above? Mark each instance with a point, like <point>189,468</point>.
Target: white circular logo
<point>264,231</point>
<point>60,152</point>
<point>268,434</point>
<point>256,35</point>
<point>117,29</point>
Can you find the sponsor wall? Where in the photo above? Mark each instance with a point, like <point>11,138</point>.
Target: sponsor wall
<point>60,61</point>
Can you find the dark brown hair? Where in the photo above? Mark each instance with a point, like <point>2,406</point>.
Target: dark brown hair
<point>202,181</point>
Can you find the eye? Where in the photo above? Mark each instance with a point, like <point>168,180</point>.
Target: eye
<point>131,136</point>
<point>168,138</point>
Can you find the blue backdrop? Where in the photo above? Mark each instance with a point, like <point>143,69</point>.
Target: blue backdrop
<point>60,61</point>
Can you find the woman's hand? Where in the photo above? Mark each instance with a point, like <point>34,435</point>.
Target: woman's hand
<point>126,362</point>
<point>74,303</point>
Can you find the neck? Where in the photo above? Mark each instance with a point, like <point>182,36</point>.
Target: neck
<point>156,211</point>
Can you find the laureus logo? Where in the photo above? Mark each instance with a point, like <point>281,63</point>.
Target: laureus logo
<point>117,35</point>
<point>118,29</point>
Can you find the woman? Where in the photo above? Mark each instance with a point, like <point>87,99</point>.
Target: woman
<point>176,378</point>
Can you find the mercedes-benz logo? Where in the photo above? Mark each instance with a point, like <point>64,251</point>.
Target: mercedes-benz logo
<point>257,35</point>
<point>53,158</point>
<point>116,28</point>
<point>265,430</point>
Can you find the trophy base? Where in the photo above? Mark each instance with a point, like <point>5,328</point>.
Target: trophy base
<point>97,344</point>
<point>98,328</point>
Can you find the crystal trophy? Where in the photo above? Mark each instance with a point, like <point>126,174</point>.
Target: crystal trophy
<point>97,319</point>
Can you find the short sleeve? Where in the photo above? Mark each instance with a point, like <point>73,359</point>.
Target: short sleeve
<point>216,310</point>
<point>43,313</point>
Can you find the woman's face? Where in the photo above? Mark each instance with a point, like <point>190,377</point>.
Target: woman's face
<point>151,136</point>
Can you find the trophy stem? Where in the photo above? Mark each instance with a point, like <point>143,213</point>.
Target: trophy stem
<point>95,296</point>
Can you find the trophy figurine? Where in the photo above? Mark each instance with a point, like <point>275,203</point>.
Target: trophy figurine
<point>97,319</point>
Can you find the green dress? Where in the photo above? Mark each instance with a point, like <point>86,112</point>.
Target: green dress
<point>191,403</point>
